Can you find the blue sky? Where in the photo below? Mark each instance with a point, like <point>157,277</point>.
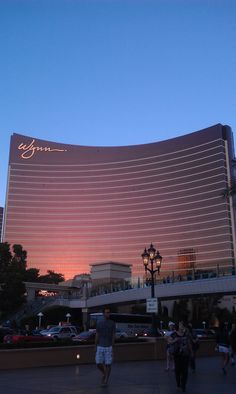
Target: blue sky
<point>114,72</point>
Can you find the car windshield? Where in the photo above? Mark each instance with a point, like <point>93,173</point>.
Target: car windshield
<point>54,329</point>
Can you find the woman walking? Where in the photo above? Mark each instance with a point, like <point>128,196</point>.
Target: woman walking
<point>181,343</point>
<point>223,346</point>
<point>232,340</point>
<point>169,355</point>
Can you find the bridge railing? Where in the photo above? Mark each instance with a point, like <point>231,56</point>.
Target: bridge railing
<point>192,275</point>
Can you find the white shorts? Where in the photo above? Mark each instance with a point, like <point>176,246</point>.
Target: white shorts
<point>223,349</point>
<point>104,355</point>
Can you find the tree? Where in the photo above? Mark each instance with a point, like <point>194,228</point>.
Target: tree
<point>203,308</point>
<point>180,310</point>
<point>52,277</point>
<point>5,257</point>
<point>12,271</point>
<point>230,191</point>
<point>32,275</point>
<point>13,274</point>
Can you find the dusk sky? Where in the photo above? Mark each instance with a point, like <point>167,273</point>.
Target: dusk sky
<point>114,72</point>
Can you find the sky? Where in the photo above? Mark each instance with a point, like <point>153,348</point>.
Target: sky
<point>114,72</point>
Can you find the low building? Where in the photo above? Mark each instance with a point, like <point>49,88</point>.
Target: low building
<point>78,281</point>
<point>110,272</point>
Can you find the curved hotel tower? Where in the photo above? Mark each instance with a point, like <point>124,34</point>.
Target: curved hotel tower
<point>71,206</point>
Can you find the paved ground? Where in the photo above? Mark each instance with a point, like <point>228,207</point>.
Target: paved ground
<point>147,377</point>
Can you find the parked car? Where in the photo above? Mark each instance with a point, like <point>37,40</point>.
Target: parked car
<point>121,334</point>
<point>60,332</point>
<point>5,331</point>
<point>20,338</point>
<point>85,336</point>
<point>148,332</point>
<point>202,333</point>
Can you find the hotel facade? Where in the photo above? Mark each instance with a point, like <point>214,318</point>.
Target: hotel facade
<point>71,206</point>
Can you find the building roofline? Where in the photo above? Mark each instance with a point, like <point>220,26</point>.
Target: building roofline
<point>110,262</point>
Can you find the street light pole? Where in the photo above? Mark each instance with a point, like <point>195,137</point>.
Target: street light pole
<point>68,315</point>
<point>151,257</point>
<point>40,315</point>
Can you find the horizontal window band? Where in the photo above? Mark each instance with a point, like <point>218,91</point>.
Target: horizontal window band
<point>219,143</point>
<point>156,166</point>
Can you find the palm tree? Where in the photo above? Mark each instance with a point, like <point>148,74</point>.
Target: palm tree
<point>231,190</point>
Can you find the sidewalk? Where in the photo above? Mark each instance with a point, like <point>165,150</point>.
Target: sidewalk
<point>138,377</point>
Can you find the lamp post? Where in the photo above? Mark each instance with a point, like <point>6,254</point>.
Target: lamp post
<point>40,315</point>
<point>152,264</point>
<point>68,315</point>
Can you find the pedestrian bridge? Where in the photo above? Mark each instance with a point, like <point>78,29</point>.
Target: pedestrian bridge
<point>222,285</point>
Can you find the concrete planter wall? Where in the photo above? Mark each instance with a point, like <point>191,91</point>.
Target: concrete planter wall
<point>85,354</point>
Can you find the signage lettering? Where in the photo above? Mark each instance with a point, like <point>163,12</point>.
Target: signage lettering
<point>30,149</point>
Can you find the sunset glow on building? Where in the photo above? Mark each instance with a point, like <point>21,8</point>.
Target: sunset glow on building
<point>71,206</point>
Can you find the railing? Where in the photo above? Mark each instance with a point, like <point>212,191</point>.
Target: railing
<point>30,308</point>
<point>173,278</point>
<point>36,306</point>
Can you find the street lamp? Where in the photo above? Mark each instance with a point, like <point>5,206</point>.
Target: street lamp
<point>40,315</point>
<point>68,315</point>
<point>152,264</point>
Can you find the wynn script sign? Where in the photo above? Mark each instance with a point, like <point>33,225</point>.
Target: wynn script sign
<point>30,149</point>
